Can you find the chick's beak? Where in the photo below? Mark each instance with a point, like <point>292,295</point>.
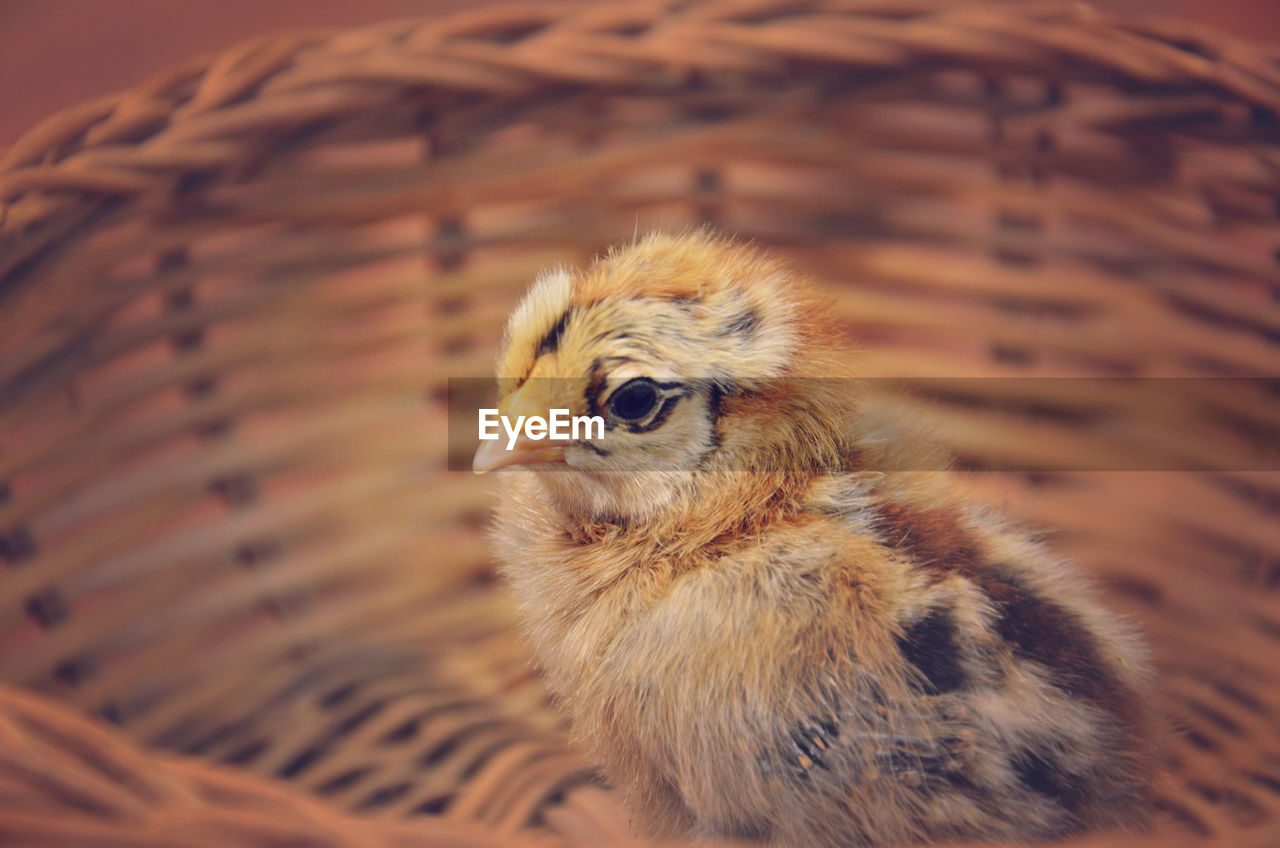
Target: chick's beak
<point>529,400</point>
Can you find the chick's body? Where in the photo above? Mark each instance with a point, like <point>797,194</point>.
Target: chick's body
<point>811,652</point>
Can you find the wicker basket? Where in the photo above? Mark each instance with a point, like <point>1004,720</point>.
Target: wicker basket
<point>230,300</point>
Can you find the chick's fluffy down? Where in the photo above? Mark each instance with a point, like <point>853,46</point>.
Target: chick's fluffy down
<point>811,652</point>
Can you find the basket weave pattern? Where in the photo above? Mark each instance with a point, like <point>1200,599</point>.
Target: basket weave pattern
<point>231,299</point>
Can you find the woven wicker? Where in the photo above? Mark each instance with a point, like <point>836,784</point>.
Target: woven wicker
<point>230,300</point>
<point>67,782</point>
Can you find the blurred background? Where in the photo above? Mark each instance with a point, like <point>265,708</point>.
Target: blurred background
<point>56,53</point>
<point>227,534</point>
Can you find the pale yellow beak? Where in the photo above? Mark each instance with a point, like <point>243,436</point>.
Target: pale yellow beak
<point>528,400</point>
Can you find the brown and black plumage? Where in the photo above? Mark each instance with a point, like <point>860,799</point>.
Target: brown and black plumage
<point>810,652</point>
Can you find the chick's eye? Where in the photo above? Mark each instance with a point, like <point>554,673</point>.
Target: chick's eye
<point>634,401</point>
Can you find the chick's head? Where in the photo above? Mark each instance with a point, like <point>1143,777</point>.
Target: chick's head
<point>694,350</point>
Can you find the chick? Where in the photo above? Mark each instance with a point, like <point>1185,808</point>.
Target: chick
<point>756,633</point>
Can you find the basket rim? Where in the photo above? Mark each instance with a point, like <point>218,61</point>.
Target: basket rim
<point>56,155</point>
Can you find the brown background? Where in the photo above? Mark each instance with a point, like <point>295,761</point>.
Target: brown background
<point>56,53</point>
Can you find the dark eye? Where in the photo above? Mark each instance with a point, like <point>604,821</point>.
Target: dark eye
<point>635,401</point>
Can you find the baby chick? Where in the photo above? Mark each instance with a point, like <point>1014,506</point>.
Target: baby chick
<point>808,652</point>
